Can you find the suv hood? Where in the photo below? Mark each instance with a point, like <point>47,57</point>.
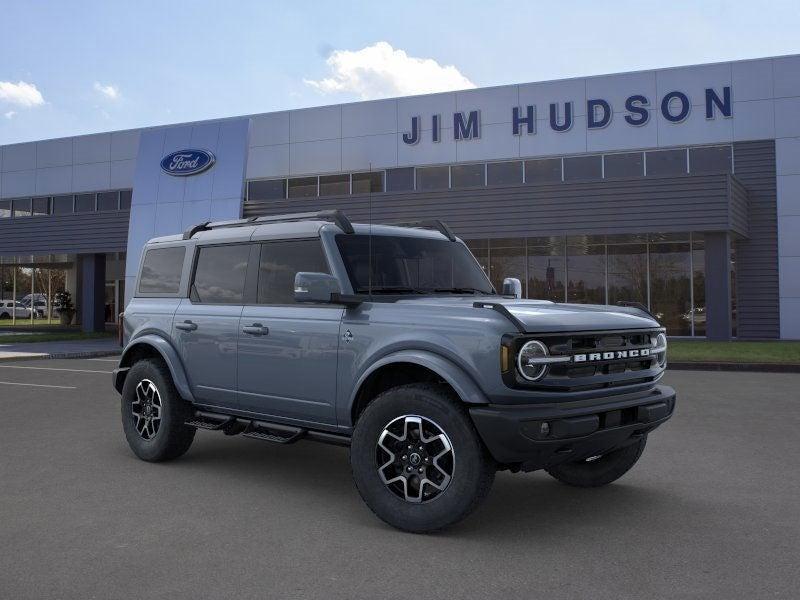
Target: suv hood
<point>542,316</point>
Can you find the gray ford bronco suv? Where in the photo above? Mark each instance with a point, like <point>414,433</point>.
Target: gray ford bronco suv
<point>391,340</point>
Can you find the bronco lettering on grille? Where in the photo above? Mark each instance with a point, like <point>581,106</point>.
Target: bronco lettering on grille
<point>616,355</point>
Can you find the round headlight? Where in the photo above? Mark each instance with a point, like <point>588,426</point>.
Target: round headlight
<point>660,346</point>
<point>528,360</point>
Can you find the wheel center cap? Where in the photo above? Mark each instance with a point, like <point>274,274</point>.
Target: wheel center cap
<point>415,459</point>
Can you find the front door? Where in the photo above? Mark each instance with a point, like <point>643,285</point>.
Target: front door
<point>287,351</point>
<point>206,325</point>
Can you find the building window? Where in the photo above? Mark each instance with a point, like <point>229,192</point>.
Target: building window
<point>468,175</point>
<point>62,205</point>
<point>507,259</point>
<point>84,203</point>
<point>661,163</point>
<point>547,170</point>
<point>334,185</point>
<point>433,178</point>
<point>303,187</point>
<point>580,168</point>
<point>5,209</point>
<point>270,189</point>
<point>22,207</point>
<point>627,273</point>
<point>107,201</point>
<point>670,286</point>
<point>125,197</point>
<point>586,271</point>
<point>629,164</point>
<point>400,180</point>
<point>504,173</point>
<point>546,269</point>
<point>698,285</point>
<point>368,183</point>
<point>712,159</point>
<point>41,206</point>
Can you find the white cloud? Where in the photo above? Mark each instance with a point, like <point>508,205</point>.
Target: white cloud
<point>10,114</point>
<point>109,91</point>
<point>20,93</point>
<point>380,71</point>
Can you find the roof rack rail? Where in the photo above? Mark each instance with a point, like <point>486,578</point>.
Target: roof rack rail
<point>430,224</point>
<point>335,216</point>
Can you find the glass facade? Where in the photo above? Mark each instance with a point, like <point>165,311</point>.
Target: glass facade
<point>665,272</point>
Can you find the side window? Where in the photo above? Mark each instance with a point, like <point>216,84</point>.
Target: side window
<point>280,262</point>
<point>161,270</point>
<point>220,274</point>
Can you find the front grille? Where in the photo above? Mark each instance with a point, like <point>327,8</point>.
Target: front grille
<point>606,360</point>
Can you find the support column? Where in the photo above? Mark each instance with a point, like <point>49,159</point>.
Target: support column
<point>93,281</point>
<point>718,286</point>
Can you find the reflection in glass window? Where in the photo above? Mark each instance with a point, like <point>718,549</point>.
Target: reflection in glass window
<point>41,205</point>
<point>433,178</point>
<point>269,189</point>
<point>220,274</point>
<point>480,250</point>
<point>580,168</point>
<point>22,207</point>
<point>547,170</point>
<point>303,187</point>
<point>507,259</point>
<point>666,162</point>
<point>629,164</point>
<point>670,298</point>
<point>546,269</point>
<point>280,262</point>
<point>62,205</point>
<point>468,175</point>
<point>108,201</point>
<point>627,273</point>
<point>699,284</point>
<point>334,185</point>
<point>400,180</point>
<point>5,209</point>
<point>370,182</point>
<point>84,203</point>
<point>504,173</point>
<point>711,159</point>
<point>125,199</point>
<point>586,274</point>
<point>161,270</point>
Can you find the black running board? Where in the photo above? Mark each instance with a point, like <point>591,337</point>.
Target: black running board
<point>277,433</point>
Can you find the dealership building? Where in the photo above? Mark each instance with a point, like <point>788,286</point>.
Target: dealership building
<point>677,188</point>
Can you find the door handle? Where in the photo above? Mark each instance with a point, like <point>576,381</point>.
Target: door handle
<point>186,326</point>
<point>255,329</point>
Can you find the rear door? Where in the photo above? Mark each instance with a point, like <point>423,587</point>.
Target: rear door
<point>206,324</point>
<point>288,351</point>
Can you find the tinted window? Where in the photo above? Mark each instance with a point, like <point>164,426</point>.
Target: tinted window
<point>5,209</point>
<point>630,164</point>
<point>364,183</point>
<point>504,173</point>
<point>108,201</point>
<point>22,207</point>
<point>468,175</point>
<point>84,203</point>
<point>334,185</point>
<point>666,162</point>
<point>62,205</point>
<point>280,262</point>
<point>433,178</point>
<point>710,160</point>
<point>404,264</point>
<point>41,206</point>
<point>220,274</point>
<point>272,189</point>
<point>400,180</point>
<point>543,171</point>
<point>125,199</point>
<point>578,168</point>
<point>161,270</point>
<point>303,187</point>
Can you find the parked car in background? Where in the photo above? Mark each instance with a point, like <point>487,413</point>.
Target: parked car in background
<point>39,304</point>
<point>13,308</point>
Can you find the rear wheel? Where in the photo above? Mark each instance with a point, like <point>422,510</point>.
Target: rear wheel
<point>154,414</point>
<point>599,470</point>
<point>417,460</point>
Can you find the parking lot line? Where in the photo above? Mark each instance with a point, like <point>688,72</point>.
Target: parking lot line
<point>61,387</point>
<point>55,369</point>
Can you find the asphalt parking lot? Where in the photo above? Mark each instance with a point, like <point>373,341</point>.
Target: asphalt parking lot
<point>712,510</point>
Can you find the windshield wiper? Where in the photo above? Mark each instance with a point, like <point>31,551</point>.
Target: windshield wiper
<point>389,289</point>
<point>462,290</point>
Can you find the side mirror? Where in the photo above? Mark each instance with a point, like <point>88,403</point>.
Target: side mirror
<point>315,287</point>
<point>512,287</point>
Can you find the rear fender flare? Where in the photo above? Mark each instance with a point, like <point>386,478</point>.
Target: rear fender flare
<point>170,356</point>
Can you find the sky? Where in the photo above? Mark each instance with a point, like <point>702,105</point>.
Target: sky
<point>71,68</point>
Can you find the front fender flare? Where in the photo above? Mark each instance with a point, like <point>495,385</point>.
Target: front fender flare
<point>463,384</point>
<point>167,352</point>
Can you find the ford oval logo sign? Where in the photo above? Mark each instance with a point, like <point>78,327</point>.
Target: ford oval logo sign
<point>187,162</point>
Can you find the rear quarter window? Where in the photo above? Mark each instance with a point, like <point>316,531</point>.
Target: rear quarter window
<point>161,270</point>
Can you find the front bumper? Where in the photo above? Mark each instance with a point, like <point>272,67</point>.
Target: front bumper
<point>533,437</point>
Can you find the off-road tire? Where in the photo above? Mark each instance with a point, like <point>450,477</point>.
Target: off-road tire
<point>472,472</point>
<point>601,471</point>
<point>173,437</point>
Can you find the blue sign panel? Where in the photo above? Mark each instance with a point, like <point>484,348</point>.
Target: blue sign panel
<point>187,162</point>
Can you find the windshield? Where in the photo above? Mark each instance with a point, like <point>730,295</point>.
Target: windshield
<point>407,265</point>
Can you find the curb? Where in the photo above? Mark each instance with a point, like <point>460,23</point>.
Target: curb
<point>726,366</point>
<point>56,355</point>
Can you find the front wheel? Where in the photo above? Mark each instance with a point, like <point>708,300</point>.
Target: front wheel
<point>597,471</point>
<point>417,460</point>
